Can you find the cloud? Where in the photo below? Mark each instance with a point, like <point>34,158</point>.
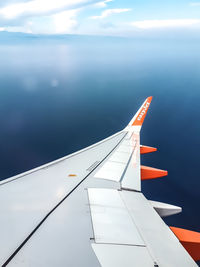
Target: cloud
<point>108,25</point>
<point>108,12</point>
<point>195,4</point>
<point>102,3</point>
<point>42,16</point>
<point>65,21</point>
<point>40,7</point>
<point>59,23</point>
<point>171,23</point>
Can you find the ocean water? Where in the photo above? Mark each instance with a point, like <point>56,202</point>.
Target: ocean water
<point>60,95</point>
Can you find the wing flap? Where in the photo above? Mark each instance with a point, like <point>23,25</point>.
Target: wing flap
<point>121,255</point>
<point>111,221</point>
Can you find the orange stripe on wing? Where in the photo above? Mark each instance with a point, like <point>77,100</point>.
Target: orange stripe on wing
<point>140,118</point>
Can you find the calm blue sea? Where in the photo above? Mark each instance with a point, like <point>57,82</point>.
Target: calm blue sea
<point>62,94</point>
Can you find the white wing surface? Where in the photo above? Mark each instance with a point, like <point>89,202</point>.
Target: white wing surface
<point>87,209</point>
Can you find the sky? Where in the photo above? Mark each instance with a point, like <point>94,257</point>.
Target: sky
<point>100,17</point>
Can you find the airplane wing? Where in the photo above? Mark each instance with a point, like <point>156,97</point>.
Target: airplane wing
<point>87,209</point>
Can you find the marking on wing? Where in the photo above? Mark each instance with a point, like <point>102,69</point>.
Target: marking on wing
<point>93,166</point>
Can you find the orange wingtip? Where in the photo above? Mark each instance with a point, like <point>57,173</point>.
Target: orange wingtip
<point>190,241</point>
<point>151,173</point>
<point>142,112</point>
<point>72,175</point>
<point>147,149</point>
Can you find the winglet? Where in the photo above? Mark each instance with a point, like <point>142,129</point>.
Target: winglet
<point>139,117</point>
<point>190,240</point>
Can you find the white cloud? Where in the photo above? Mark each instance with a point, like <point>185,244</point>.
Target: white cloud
<point>40,7</point>
<point>2,29</point>
<point>25,28</point>
<point>65,21</point>
<point>109,12</point>
<point>59,23</point>
<point>102,3</point>
<point>42,16</point>
<point>195,4</point>
<point>171,23</point>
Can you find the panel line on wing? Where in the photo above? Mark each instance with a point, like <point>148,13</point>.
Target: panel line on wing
<point>120,244</point>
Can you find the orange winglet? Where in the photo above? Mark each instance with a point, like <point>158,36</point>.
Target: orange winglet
<point>190,241</point>
<point>147,149</point>
<point>151,173</point>
<point>142,112</point>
